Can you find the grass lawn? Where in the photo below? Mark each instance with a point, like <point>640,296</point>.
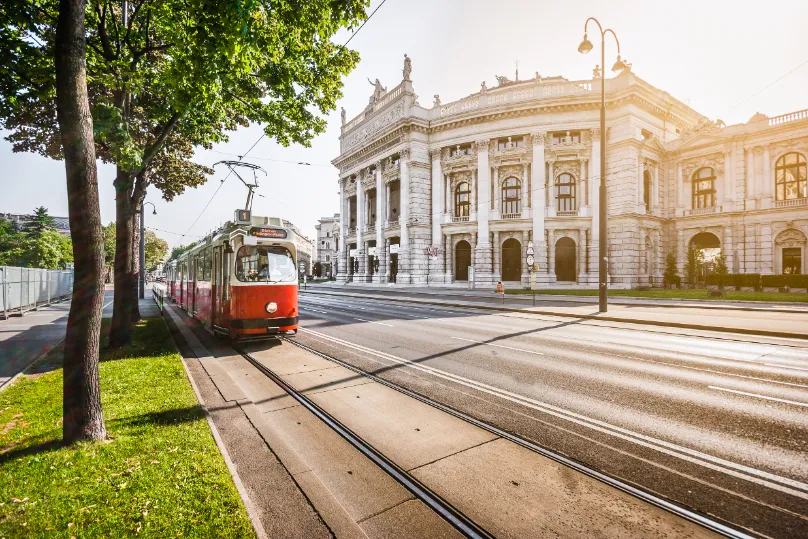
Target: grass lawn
<point>160,473</point>
<point>731,295</point>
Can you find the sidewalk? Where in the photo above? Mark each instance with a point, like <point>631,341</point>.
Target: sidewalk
<point>770,323</point>
<point>464,291</point>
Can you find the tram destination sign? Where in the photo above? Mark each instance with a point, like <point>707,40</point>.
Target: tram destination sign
<point>268,232</point>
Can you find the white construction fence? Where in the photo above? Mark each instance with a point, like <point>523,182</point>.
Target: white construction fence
<point>26,289</point>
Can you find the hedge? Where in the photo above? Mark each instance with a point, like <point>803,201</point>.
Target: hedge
<point>774,281</point>
<point>797,281</point>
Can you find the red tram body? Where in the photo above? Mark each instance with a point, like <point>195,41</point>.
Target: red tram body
<point>241,281</point>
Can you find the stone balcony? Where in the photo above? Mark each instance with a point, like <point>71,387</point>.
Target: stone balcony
<point>703,211</point>
<point>391,223</point>
<point>571,213</point>
<point>791,203</point>
<point>511,216</point>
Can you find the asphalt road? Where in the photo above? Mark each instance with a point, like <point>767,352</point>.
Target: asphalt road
<point>715,422</point>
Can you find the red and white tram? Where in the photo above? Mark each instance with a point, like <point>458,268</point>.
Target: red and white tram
<point>241,281</point>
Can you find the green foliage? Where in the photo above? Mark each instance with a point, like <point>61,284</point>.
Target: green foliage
<point>721,270</point>
<point>670,276</point>
<point>155,249</point>
<point>181,75</point>
<point>773,281</point>
<point>159,474</point>
<point>37,245</point>
<point>797,280</point>
<point>109,244</point>
<point>177,251</point>
<point>695,257</point>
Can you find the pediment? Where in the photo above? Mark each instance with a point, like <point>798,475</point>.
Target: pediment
<point>700,139</point>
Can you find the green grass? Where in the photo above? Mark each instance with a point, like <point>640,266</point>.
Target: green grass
<point>731,295</point>
<point>160,473</point>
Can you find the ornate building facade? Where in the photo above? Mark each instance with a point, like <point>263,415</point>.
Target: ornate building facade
<point>458,191</point>
<point>327,246</point>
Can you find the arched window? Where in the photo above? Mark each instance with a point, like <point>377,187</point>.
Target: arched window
<point>791,179</point>
<point>511,195</point>
<point>704,188</point>
<point>565,193</point>
<point>646,188</point>
<point>462,200</point>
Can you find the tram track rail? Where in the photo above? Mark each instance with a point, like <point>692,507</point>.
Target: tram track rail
<point>671,507</point>
<point>438,504</point>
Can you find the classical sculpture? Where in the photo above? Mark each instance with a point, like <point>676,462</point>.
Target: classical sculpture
<point>596,72</point>
<point>407,67</point>
<point>378,90</point>
<point>437,100</point>
<point>502,79</point>
<point>342,115</point>
<point>483,88</point>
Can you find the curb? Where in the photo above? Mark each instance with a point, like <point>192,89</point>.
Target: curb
<point>47,351</point>
<point>680,325</point>
<point>231,467</point>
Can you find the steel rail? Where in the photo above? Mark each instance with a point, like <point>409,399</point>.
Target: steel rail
<point>447,511</point>
<point>692,516</point>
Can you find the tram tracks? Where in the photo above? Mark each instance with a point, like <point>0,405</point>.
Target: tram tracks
<point>438,504</point>
<point>441,506</point>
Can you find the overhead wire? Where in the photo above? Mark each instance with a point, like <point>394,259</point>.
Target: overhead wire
<point>769,85</point>
<point>363,23</point>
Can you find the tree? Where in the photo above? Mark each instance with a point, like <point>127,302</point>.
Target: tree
<point>40,222</point>
<point>159,88</point>
<point>36,247</point>
<point>155,249</point>
<point>721,269</point>
<point>695,257</point>
<point>178,250</point>
<point>671,276</point>
<point>81,399</point>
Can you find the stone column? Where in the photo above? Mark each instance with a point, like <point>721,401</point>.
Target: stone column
<point>655,191</point>
<point>659,262</point>
<point>497,257</point>
<point>447,193</point>
<point>681,253</point>
<point>404,255</point>
<point>726,248</point>
<point>642,262</point>
<point>474,182</point>
<point>767,188</point>
<point>551,258</point>
<point>525,204</point>
<point>594,197</point>
<point>680,191</point>
<point>640,185</point>
<point>437,196</point>
<point>342,270</point>
<point>450,271</point>
<point>387,204</point>
<point>583,277</point>
<point>551,193</point>
<point>729,181</point>
<point>482,252</point>
<point>539,207</point>
<point>360,228</point>
<point>497,194</point>
<point>751,184</point>
<point>381,276</point>
<point>584,196</point>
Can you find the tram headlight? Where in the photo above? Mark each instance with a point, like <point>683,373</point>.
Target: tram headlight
<point>272,307</point>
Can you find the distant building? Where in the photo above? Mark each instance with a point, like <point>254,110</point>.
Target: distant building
<point>305,247</point>
<point>62,223</point>
<point>327,245</point>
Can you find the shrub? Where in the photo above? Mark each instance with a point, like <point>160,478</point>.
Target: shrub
<point>751,279</point>
<point>797,280</point>
<point>714,279</point>
<point>670,277</point>
<point>773,281</point>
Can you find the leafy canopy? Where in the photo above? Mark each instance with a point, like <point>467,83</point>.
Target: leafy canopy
<point>178,75</point>
<point>155,249</point>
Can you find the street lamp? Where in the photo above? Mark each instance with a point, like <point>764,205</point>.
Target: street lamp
<point>142,287</point>
<point>603,251</point>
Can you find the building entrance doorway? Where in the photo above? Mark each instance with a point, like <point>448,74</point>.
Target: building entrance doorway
<point>462,260</point>
<point>512,260</point>
<point>565,260</point>
<point>393,250</point>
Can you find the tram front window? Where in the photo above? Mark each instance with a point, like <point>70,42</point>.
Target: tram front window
<point>265,264</point>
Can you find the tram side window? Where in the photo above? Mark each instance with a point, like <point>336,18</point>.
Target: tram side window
<point>273,264</point>
<point>206,264</point>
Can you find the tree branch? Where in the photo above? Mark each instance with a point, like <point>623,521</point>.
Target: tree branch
<point>155,148</point>
<point>102,32</point>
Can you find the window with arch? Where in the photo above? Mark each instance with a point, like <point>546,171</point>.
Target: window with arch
<point>462,199</point>
<point>646,188</point>
<point>704,188</point>
<point>511,196</point>
<point>565,192</point>
<point>791,178</point>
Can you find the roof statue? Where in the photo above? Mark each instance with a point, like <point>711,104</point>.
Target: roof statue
<point>502,80</point>
<point>378,91</point>
<point>483,88</point>
<point>407,67</point>
<point>596,72</point>
<point>437,100</point>
<point>342,115</point>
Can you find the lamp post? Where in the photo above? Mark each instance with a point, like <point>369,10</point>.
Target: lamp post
<point>619,66</point>
<point>142,279</point>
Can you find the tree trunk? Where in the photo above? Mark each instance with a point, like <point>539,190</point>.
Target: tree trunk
<point>83,418</point>
<point>121,331</point>
<point>135,254</point>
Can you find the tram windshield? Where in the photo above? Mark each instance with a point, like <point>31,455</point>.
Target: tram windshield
<point>265,264</point>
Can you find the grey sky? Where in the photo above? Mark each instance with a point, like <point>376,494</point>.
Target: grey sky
<point>712,55</point>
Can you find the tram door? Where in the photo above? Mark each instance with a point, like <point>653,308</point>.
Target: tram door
<point>216,286</point>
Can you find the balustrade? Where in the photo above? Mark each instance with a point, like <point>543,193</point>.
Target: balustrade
<point>791,203</point>
<point>704,211</point>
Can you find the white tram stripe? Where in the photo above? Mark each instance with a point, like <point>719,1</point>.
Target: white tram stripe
<point>804,404</point>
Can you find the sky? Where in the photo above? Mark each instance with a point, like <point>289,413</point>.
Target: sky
<point>726,59</point>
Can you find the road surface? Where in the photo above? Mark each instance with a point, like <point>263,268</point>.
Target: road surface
<point>716,422</point>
